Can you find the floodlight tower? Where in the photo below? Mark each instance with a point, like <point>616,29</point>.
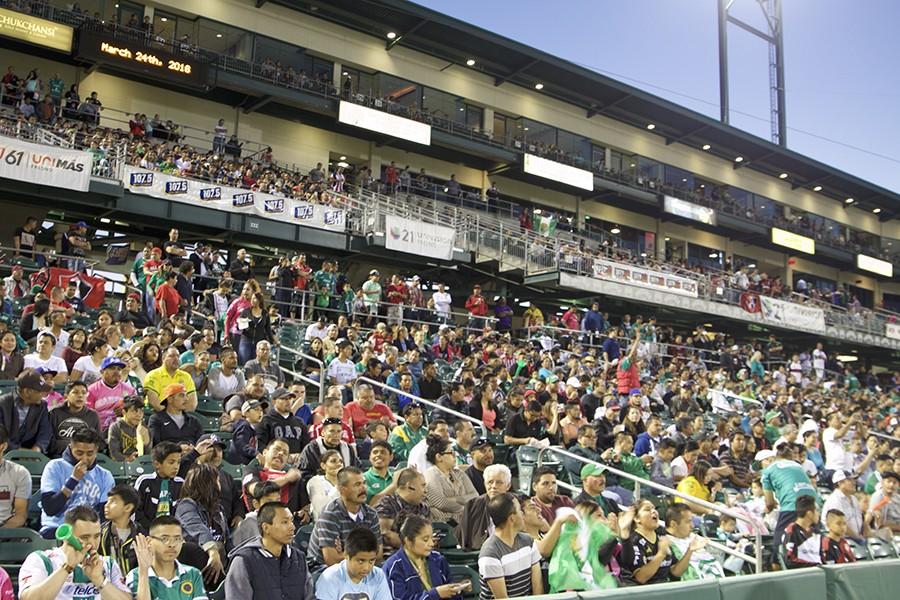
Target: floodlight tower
<point>771,10</point>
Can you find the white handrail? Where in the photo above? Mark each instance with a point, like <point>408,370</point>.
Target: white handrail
<point>321,364</point>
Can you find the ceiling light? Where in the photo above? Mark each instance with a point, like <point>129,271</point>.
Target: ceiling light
<point>876,210</point>
<point>848,201</point>
<point>783,176</point>
<point>343,158</point>
<point>818,188</point>
<point>632,165</point>
<point>391,35</point>
<point>163,19</point>
<point>739,159</point>
<point>684,180</point>
<point>470,62</point>
<point>713,255</point>
<point>651,126</point>
<point>615,231</point>
<point>218,35</point>
<point>706,146</point>
<point>461,109</point>
<point>667,239</point>
<point>539,86</point>
<point>345,73</point>
<point>847,358</point>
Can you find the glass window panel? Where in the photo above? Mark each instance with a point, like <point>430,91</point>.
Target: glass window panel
<point>224,39</point>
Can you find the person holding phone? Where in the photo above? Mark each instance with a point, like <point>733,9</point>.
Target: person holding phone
<point>416,571</point>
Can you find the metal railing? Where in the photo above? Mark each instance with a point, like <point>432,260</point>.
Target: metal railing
<point>320,384</point>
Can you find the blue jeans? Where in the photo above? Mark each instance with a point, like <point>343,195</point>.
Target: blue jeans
<point>246,350</point>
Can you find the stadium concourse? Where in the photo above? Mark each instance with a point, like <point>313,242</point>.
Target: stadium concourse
<point>314,427</point>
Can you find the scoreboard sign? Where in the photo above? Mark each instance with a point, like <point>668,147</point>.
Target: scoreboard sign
<point>136,56</point>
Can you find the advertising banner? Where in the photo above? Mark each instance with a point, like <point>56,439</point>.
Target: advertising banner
<point>647,278</point>
<point>45,165</point>
<point>421,239</point>
<point>34,30</point>
<point>892,330</point>
<point>382,122</point>
<point>236,200</point>
<point>792,316</point>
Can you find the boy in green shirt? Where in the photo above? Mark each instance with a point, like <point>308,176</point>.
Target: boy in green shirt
<point>405,436</point>
<point>883,464</point>
<point>159,575</point>
<point>622,457</point>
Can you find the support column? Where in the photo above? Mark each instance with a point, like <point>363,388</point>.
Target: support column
<point>487,125</point>
<point>660,241</point>
<point>788,271</point>
<point>336,75</point>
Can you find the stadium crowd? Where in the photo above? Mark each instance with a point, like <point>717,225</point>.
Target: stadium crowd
<point>182,454</point>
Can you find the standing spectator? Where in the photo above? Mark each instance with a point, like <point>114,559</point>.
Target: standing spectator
<point>72,480</point>
<point>270,566</point>
<point>509,562</point>
<point>255,327</point>
<point>167,299</point>
<point>504,314</point>
<point>240,267</point>
<point>397,295</point>
<point>24,239</point>
<point>478,309</point>
<point>220,133</point>
<point>75,245</point>
<point>442,303</point>
<point>371,291</point>
<point>784,482</point>
<point>392,178</point>
<point>24,413</point>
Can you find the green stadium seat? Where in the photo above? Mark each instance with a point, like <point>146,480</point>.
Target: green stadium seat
<point>236,471</point>
<point>17,544</point>
<point>210,424</point>
<point>119,470</point>
<point>879,548</point>
<point>209,407</point>
<point>31,460</point>
<point>34,511</point>
<point>225,436</point>
<point>460,573</point>
<point>302,536</point>
<point>860,549</point>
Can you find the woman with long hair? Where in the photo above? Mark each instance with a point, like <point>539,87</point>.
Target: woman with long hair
<point>11,360</point>
<point>76,348</point>
<point>36,320</point>
<point>483,407</point>
<point>646,556</point>
<point>237,306</point>
<point>322,488</point>
<point>87,368</point>
<point>201,517</point>
<point>255,327</point>
<point>696,485</point>
<point>416,571</point>
<point>149,357</point>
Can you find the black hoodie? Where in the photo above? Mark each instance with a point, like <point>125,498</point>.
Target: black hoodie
<point>274,426</point>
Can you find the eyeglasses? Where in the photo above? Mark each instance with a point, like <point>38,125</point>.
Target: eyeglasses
<point>448,452</point>
<point>168,540</point>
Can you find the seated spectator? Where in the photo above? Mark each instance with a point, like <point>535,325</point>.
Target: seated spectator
<point>330,439</point>
<point>843,499</point>
<point>49,573</point>
<point>835,549</point>
<point>884,507</point>
<point>74,479</point>
<point>128,437</point>
<point>454,400</point>
<point>417,455</point>
<point>416,570</point>
<point>448,488</point>
<point>255,389</point>
<point>70,417</point>
<point>201,517</point>
<point>802,545</point>
<point>593,478</point>
<point>274,467</point>
<point>159,491</point>
<point>546,496</point>
<point>475,525</point>
<point>322,487</point>
<point>661,467</point>
<point>393,509</point>
<point>648,441</point>
<point>586,447</point>
<point>88,367</point>
<point>646,556</point>
<point>43,357</point>
<point>264,365</point>
<point>270,566</point>
<point>281,423</point>
<point>509,562</point>
<point>174,424</point>
<point>159,571</point>
<point>158,380</point>
<point>737,458</point>
<point>11,359</point>
<point>356,576</point>
<point>243,447</point>
<point>366,408</point>
<point>410,433</point>
<point>331,531</point>
<point>687,546</point>
<point>119,532</point>
<point>696,485</point>
<point>209,451</point>
<point>681,464</point>
<point>333,408</point>
<point>248,529</point>
<point>106,395</point>
<point>16,481</point>
<point>380,478</point>
<point>528,427</point>
<point>481,453</point>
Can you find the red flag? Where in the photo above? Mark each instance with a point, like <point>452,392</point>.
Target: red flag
<point>750,302</point>
<point>91,289</point>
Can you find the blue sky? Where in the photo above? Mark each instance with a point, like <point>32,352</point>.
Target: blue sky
<point>841,71</point>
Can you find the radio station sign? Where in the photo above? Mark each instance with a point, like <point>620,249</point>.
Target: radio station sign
<point>800,243</point>
<point>231,199</point>
<point>33,30</point>
<point>645,278</point>
<point>689,210</point>
<point>135,56</point>
<point>382,122</point>
<point>556,171</point>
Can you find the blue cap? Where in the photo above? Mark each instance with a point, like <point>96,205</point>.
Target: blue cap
<point>112,361</point>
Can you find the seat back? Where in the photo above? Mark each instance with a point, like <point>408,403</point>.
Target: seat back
<point>460,573</point>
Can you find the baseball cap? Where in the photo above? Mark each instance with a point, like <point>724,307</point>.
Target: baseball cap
<point>216,440</point>
<point>46,371</point>
<point>772,414</point>
<point>481,443</point>
<point>134,295</point>
<point>574,382</point>
<point>112,361</point>
<point>30,379</point>
<point>808,425</point>
<point>763,455</point>
<point>81,224</point>
<point>754,421</point>
<point>249,405</point>
<point>589,470</point>
<point>634,392</point>
<point>173,389</point>
<point>839,476</point>
<point>374,272</point>
<point>17,266</point>
<point>157,249</point>
<point>613,405</point>
<point>280,393</point>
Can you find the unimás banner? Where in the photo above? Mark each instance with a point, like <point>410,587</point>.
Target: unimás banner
<point>647,278</point>
<point>45,165</point>
<point>236,200</point>
<point>791,315</point>
<point>421,239</point>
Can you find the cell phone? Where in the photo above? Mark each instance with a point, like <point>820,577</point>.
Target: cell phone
<point>464,586</point>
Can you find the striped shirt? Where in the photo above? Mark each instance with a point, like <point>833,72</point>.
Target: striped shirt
<point>335,523</point>
<point>512,563</point>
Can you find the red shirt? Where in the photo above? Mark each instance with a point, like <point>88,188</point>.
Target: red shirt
<point>361,415</point>
<point>397,294</point>
<point>346,433</point>
<point>166,294</point>
<point>477,306</point>
<point>301,281</point>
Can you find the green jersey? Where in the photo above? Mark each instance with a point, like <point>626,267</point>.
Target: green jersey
<point>633,465</point>
<point>56,86</point>
<point>186,585</point>
<point>375,483</point>
<point>788,481</point>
